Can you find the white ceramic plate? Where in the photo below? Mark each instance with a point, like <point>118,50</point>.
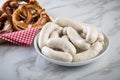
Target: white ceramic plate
<point>106,40</point>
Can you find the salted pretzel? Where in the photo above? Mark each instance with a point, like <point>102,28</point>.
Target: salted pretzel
<point>23,14</point>
<point>11,5</point>
<point>29,15</point>
<point>5,23</point>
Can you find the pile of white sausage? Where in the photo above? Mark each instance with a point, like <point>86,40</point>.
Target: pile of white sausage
<point>70,41</point>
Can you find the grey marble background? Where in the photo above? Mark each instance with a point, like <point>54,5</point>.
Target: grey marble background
<point>22,63</point>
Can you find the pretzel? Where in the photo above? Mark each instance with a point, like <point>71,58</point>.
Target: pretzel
<point>23,14</point>
<point>29,15</point>
<point>5,23</point>
<point>11,5</point>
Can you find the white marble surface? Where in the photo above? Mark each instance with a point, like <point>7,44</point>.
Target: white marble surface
<point>21,63</point>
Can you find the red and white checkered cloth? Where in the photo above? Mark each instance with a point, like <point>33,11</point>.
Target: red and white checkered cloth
<point>23,38</point>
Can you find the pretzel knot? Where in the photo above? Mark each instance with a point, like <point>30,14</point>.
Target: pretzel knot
<point>29,15</point>
<point>5,23</point>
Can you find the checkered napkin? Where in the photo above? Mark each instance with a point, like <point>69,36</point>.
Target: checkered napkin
<point>22,38</point>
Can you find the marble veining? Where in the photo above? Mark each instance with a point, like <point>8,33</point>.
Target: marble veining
<point>23,63</point>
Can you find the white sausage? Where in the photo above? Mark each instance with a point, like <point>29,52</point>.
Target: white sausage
<point>63,44</point>
<point>76,39</point>
<point>57,55</point>
<point>45,33</point>
<point>100,36</point>
<point>83,35</point>
<point>66,22</point>
<point>90,53</point>
<point>54,34</point>
<point>65,37</point>
<point>64,30</point>
<point>91,33</point>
